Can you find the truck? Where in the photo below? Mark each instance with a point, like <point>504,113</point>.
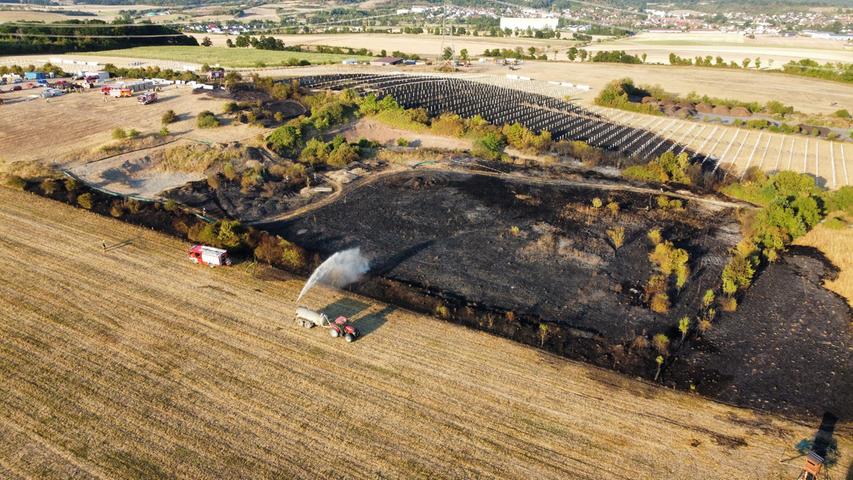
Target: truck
<point>35,76</point>
<point>121,92</point>
<point>51,92</point>
<point>340,327</point>
<point>210,256</point>
<point>147,98</point>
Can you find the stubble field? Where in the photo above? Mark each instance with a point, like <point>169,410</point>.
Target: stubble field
<point>730,46</point>
<point>132,362</point>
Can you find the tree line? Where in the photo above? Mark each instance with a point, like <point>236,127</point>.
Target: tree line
<point>88,35</point>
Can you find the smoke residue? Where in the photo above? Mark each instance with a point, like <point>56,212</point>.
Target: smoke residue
<point>339,270</point>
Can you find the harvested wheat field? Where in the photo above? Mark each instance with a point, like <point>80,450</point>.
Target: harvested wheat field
<point>134,363</point>
<point>836,243</point>
<point>774,51</point>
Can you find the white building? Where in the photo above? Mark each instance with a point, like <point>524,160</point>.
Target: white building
<point>524,23</point>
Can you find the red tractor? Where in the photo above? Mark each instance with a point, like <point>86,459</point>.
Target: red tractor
<point>340,327</point>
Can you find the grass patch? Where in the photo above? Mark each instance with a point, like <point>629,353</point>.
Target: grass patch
<point>836,244</point>
<point>227,57</point>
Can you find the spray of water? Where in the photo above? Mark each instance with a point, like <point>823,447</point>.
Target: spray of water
<point>339,270</point>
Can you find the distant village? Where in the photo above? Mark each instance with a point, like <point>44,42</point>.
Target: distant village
<point>508,20</point>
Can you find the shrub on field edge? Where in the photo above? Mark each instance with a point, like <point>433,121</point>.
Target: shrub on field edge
<point>207,119</point>
<point>168,117</point>
<point>85,200</point>
<point>16,182</point>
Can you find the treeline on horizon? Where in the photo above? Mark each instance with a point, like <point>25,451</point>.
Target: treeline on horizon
<point>85,37</point>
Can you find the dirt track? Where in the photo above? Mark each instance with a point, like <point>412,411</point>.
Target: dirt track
<point>135,363</point>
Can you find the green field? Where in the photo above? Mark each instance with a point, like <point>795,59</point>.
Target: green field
<point>227,57</point>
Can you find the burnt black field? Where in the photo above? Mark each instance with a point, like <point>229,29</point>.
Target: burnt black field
<point>508,255</point>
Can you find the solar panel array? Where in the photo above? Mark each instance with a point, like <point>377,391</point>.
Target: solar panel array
<point>499,105</point>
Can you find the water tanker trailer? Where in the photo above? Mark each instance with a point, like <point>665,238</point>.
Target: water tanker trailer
<point>340,327</point>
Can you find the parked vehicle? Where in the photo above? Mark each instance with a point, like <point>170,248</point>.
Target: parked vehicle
<point>121,92</point>
<point>16,88</point>
<point>210,256</point>
<point>147,98</point>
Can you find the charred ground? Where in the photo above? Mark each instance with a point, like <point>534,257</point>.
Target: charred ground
<point>512,255</point>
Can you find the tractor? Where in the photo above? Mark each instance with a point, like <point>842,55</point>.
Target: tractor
<point>340,327</point>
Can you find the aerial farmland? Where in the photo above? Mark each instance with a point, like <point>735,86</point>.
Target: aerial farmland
<point>377,240</point>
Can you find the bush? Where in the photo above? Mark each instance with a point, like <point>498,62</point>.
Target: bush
<point>737,274</point>
<point>275,250</point>
<point>168,117</point>
<point>617,95</point>
<point>448,124</point>
<point>85,201</point>
<point>229,171</point>
<point>134,206</point>
<point>286,140</point>
<point>49,186</point>
<point>728,304</point>
<point>654,236</point>
<point>843,113</point>
<point>668,167</point>
<point>207,119</point>
<point>119,134</point>
<point>666,203</point>
<point>617,236</point>
<point>316,152</point>
<point>661,343</point>
<point>117,209</point>
<point>613,207</point>
<point>708,298</point>
<point>342,155</point>
<point>489,146</point>
<point>230,107</point>
<point>213,181</point>
<point>16,182</point>
<point>660,303</point>
<point>221,233</point>
<point>671,261</point>
<point>132,133</point>
<point>518,136</point>
<point>596,202</point>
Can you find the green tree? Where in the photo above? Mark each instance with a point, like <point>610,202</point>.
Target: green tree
<point>342,155</point>
<point>286,140</point>
<point>447,54</point>
<point>316,152</point>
